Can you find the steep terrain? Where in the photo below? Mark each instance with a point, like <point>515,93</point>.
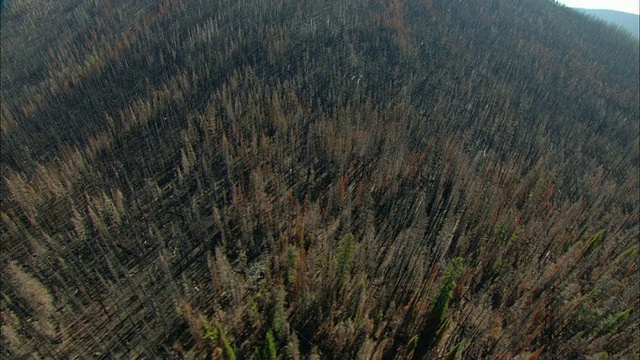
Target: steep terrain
<point>337,179</point>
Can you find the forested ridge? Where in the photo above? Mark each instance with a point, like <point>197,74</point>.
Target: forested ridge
<point>353,179</point>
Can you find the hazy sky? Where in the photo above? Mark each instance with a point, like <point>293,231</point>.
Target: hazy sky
<point>629,6</point>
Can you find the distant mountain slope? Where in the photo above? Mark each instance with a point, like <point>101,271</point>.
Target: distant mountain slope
<point>626,21</point>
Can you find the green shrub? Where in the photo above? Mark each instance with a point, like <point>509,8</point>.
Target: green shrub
<point>344,258</point>
<point>441,304</point>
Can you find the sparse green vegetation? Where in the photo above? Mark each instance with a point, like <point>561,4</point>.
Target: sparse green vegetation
<point>344,258</point>
<point>441,303</point>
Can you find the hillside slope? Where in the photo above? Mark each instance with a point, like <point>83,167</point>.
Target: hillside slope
<point>347,179</point>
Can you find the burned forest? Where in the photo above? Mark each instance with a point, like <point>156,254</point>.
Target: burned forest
<point>349,179</point>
